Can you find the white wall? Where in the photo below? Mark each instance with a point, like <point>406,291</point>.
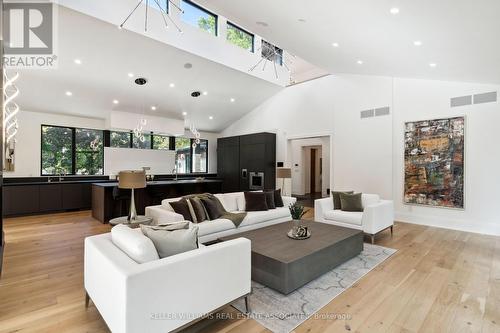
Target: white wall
<point>28,144</point>
<point>367,154</point>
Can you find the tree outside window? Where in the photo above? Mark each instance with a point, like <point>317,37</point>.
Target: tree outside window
<point>120,139</point>
<point>57,147</point>
<point>89,152</point>
<point>239,37</point>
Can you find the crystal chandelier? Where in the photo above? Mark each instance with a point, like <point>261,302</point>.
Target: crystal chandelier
<point>272,53</point>
<point>196,135</point>
<point>163,11</point>
<point>11,109</point>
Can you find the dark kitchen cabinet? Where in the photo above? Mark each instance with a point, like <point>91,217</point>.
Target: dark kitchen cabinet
<point>240,156</point>
<point>21,199</point>
<point>72,196</point>
<point>50,198</point>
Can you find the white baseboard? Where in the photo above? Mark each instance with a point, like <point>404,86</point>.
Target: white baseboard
<point>453,224</point>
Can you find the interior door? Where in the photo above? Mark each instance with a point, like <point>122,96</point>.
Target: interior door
<point>312,169</point>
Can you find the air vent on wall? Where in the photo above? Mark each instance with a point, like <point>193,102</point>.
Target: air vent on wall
<point>460,101</point>
<point>367,114</point>
<point>489,97</point>
<point>384,111</point>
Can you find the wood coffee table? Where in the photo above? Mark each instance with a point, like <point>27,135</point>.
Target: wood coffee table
<point>285,264</point>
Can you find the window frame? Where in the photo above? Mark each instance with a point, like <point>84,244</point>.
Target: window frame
<point>189,2</point>
<point>73,150</point>
<point>243,30</point>
<point>191,152</point>
<point>280,63</point>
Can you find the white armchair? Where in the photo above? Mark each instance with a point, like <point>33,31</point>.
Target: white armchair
<point>165,294</point>
<point>377,215</point>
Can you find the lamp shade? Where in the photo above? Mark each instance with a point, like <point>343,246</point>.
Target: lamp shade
<point>283,173</point>
<point>132,179</point>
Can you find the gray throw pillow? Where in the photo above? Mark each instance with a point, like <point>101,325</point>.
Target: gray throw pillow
<point>336,198</point>
<point>351,202</point>
<point>172,239</point>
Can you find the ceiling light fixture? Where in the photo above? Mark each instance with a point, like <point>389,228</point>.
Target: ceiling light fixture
<point>130,74</point>
<point>184,113</point>
<point>232,100</point>
<point>164,13</point>
<point>360,62</point>
<point>205,93</point>
<point>153,108</point>
<point>171,85</point>
<point>69,93</point>
<point>115,101</point>
<point>78,61</point>
<point>417,43</point>
<point>432,64</point>
<point>335,44</point>
<point>273,54</point>
<point>394,11</point>
<point>211,118</point>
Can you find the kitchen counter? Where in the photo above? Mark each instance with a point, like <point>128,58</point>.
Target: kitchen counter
<point>162,182</point>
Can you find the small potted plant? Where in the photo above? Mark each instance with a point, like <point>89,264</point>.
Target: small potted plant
<point>297,211</point>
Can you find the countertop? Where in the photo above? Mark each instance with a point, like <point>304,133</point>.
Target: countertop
<point>163,182</point>
<point>84,181</point>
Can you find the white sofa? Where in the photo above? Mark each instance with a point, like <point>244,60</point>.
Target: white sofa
<point>232,202</point>
<point>162,295</point>
<point>377,215</point>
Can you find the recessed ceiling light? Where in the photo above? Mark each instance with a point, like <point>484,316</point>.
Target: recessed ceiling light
<point>335,44</point>
<point>171,85</point>
<point>360,62</point>
<point>232,100</point>
<point>302,20</point>
<point>69,93</point>
<point>115,101</point>
<point>432,64</point>
<point>205,93</point>
<point>211,118</point>
<point>184,113</point>
<point>130,74</point>
<point>188,65</point>
<point>394,11</point>
<point>78,61</point>
<point>153,108</point>
<point>263,24</point>
<point>417,43</point>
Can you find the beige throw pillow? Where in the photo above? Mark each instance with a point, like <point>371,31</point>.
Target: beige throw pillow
<point>172,239</point>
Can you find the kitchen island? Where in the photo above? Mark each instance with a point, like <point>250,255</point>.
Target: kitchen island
<point>108,201</point>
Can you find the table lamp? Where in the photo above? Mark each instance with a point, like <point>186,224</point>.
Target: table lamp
<point>131,180</point>
<point>283,173</point>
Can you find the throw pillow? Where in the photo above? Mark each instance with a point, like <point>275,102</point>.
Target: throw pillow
<point>170,242</point>
<point>191,211</point>
<point>255,201</point>
<point>278,200</point>
<point>213,206</point>
<point>336,198</point>
<point>351,202</point>
<point>181,207</point>
<point>198,208</point>
<point>270,199</point>
<point>131,241</point>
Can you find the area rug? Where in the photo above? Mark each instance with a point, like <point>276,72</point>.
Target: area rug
<point>282,313</point>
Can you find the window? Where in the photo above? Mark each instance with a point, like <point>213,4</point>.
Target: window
<point>161,142</point>
<point>57,150</point>
<point>200,154</point>
<point>239,37</point>
<point>272,53</point>
<point>183,155</point>
<point>89,152</point>
<point>120,139</point>
<point>71,151</point>
<point>163,4</point>
<point>199,17</point>
<point>146,144</point>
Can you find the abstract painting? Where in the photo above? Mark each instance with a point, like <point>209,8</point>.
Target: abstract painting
<point>434,162</point>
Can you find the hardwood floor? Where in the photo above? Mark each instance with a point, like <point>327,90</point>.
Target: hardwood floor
<point>439,281</point>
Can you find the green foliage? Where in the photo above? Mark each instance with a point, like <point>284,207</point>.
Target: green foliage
<point>120,139</point>
<point>208,24</point>
<point>89,152</point>
<point>161,142</point>
<point>137,143</point>
<point>297,211</point>
<point>56,150</point>
<point>239,38</point>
